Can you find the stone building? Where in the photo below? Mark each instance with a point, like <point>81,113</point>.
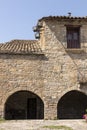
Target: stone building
<point>46,78</point>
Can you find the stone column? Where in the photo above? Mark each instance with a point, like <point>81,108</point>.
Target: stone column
<point>50,109</point>
<point>1,112</point>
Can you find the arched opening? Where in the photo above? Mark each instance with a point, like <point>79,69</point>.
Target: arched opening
<point>72,105</point>
<point>24,105</point>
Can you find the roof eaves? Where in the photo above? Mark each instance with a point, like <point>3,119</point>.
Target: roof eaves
<point>21,53</point>
<point>62,17</point>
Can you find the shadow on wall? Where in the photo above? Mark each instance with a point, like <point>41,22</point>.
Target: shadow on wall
<point>24,56</point>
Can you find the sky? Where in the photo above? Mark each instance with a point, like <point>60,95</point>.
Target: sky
<point>17,17</point>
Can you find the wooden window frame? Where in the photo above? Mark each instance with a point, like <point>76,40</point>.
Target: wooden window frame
<point>71,31</point>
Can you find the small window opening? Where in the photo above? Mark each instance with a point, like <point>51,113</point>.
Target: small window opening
<point>73,37</point>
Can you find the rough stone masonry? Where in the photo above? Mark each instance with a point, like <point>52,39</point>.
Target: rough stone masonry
<point>46,78</point>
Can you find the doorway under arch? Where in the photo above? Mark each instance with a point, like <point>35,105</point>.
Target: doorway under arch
<point>72,105</point>
<point>24,105</point>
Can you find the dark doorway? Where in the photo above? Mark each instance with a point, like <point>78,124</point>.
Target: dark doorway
<point>31,108</point>
<point>72,105</point>
<point>24,105</point>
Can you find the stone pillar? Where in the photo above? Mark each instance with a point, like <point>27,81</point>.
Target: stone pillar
<point>50,109</point>
<point>1,112</point>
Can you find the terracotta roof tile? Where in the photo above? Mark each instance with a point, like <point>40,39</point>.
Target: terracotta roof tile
<point>62,17</point>
<point>21,47</point>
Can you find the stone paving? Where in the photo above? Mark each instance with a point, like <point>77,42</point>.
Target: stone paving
<point>39,124</point>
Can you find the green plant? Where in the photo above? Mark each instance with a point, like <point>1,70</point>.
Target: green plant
<point>85,116</point>
<point>58,127</point>
<point>1,119</point>
<point>86,110</point>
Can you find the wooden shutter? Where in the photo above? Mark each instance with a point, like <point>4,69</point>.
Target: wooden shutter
<point>73,38</point>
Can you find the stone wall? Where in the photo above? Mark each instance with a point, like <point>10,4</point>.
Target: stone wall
<point>50,75</point>
<point>20,72</point>
<point>65,69</point>
<point>60,73</point>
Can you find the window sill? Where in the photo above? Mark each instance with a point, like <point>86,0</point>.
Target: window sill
<point>74,50</point>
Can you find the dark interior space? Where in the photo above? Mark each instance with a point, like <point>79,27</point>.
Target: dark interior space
<point>72,105</point>
<point>24,105</point>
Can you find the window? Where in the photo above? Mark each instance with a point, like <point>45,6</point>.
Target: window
<point>73,39</point>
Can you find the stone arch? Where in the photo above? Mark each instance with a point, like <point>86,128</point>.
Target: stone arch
<point>24,104</point>
<point>72,105</point>
<point>8,94</point>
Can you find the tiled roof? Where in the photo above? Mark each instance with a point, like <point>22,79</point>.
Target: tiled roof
<point>21,47</point>
<point>62,17</point>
